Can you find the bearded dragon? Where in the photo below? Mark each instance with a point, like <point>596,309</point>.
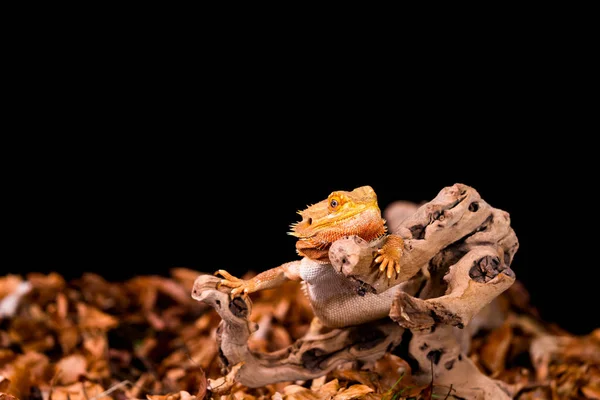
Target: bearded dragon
<point>343,213</point>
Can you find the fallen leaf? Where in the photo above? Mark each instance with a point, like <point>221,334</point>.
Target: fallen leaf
<point>9,301</point>
<point>317,383</point>
<point>79,391</point>
<point>98,370</point>
<point>45,287</point>
<point>68,338</point>
<point>50,281</point>
<point>538,393</point>
<point>595,335</point>
<point>174,290</point>
<point>330,388</point>
<point>591,392</point>
<point>364,377</point>
<point>70,368</point>
<point>6,356</point>
<point>224,383</point>
<point>92,318</point>
<point>279,338</point>
<point>140,385</point>
<point>99,293</point>
<point>62,306</point>
<point>182,395</point>
<point>150,330</point>
<point>494,351</point>
<point>353,392</point>
<point>26,370</point>
<point>4,383</point>
<point>95,343</point>
<point>297,392</point>
<point>395,376</point>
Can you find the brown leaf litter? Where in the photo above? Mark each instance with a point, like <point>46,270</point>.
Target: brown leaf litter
<point>145,338</point>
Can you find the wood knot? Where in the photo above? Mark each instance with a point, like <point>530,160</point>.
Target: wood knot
<point>312,358</point>
<point>474,206</point>
<point>238,307</point>
<point>487,268</point>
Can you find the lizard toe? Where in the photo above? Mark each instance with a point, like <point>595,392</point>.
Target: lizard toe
<point>384,264</point>
<point>227,275</point>
<point>390,270</point>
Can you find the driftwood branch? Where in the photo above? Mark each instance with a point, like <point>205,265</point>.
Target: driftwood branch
<point>457,256</point>
<point>473,272</point>
<point>439,356</point>
<point>465,276</point>
<point>465,248</point>
<point>309,357</point>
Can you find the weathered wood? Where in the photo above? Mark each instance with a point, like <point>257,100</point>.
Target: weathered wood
<point>457,256</point>
<point>441,359</point>
<point>310,357</point>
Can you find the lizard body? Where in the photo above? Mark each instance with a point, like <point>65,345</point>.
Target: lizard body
<point>331,294</point>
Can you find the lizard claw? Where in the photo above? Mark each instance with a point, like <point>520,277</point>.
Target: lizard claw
<point>389,257</point>
<point>239,286</point>
<point>390,267</point>
<point>227,275</point>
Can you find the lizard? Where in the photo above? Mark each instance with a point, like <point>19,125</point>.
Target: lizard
<point>342,214</point>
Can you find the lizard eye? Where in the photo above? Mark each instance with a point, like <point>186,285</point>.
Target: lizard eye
<point>334,203</point>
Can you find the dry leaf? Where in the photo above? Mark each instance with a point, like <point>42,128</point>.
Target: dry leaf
<point>140,385</point>
<point>538,393</point>
<point>377,396</point>
<point>296,392</point>
<point>79,391</point>
<point>174,290</point>
<point>395,376</point>
<point>109,332</point>
<point>182,395</point>
<point>11,296</point>
<point>495,349</point>
<point>92,318</point>
<point>52,281</point>
<point>279,338</point>
<point>99,293</point>
<point>4,383</point>
<point>330,388</point>
<point>318,382</point>
<point>364,377</point>
<point>70,368</point>
<point>591,392</point>
<point>68,337</point>
<point>95,343</point>
<point>225,383</point>
<point>25,371</point>
<point>353,392</point>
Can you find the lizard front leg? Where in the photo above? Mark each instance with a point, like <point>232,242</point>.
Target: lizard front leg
<point>265,280</point>
<point>390,254</point>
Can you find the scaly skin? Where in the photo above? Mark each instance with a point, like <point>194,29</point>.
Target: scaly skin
<point>341,214</point>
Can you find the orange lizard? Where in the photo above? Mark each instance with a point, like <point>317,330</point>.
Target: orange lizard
<point>341,214</point>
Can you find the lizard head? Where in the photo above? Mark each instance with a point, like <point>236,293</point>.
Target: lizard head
<point>341,214</point>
